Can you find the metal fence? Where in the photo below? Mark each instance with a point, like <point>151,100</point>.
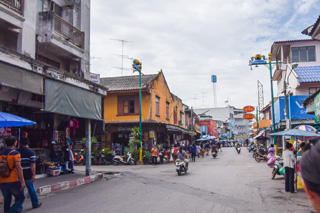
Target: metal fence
<point>15,5</point>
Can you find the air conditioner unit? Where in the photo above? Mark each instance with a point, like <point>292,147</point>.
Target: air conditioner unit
<point>180,122</point>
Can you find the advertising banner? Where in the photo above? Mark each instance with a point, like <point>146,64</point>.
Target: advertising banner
<point>317,109</point>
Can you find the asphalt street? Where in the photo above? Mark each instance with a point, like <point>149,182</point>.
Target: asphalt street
<point>230,183</point>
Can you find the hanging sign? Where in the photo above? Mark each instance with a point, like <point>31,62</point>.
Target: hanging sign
<point>5,131</point>
<point>248,108</point>
<point>248,116</point>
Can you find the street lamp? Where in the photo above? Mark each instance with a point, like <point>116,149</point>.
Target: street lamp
<point>257,60</point>
<point>137,65</point>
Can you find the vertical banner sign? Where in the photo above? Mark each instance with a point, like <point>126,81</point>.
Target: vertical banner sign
<point>317,109</point>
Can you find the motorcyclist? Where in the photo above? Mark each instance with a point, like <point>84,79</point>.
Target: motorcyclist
<point>207,147</point>
<point>214,147</point>
<point>182,155</point>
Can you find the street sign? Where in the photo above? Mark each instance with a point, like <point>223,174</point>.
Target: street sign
<point>248,108</point>
<point>317,109</point>
<point>248,116</point>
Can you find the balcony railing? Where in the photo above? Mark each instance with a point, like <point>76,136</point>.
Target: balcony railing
<point>15,5</point>
<point>67,30</point>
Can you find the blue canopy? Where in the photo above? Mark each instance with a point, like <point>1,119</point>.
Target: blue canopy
<point>205,138</point>
<point>9,120</point>
<point>296,132</point>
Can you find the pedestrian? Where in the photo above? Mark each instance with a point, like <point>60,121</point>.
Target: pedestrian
<point>288,163</point>
<point>161,154</point>
<point>13,184</point>
<point>155,153</point>
<point>193,150</point>
<point>310,171</point>
<point>28,163</point>
<point>198,148</point>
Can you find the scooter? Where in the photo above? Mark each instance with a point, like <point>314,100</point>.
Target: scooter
<point>116,160</point>
<point>78,158</point>
<point>181,167</point>
<point>238,149</point>
<point>261,157</point>
<point>277,169</point>
<point>214,153</point>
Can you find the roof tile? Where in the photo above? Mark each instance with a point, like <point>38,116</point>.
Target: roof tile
<point>308,74</point>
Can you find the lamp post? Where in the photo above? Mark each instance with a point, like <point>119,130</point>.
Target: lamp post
<point>257,60</point>
<point>137,65</point>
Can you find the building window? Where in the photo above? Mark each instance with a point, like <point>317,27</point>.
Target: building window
<point>128,105</point>
<point>157,106</point>
<point>303,54</point>
<point>167,110</point>
<point>175,117</point>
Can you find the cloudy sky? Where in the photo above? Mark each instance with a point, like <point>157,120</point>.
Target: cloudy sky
<point>191,41</point>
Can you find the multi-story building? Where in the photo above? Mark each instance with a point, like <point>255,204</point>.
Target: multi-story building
<point>162,113</point>
<point>44,68</point>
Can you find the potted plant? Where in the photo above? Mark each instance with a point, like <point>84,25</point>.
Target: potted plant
<point>146,157</point>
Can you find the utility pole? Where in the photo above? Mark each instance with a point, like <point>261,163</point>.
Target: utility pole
<point>123,42</point>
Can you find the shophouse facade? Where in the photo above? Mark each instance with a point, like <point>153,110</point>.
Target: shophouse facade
<point>162,113</point>
<point>45,72</point>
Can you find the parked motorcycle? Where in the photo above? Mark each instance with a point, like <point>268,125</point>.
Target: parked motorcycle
<point>261,157</point>
<point>116,160</point>
<point>181,167</point>
<point>277,169</point>
<point>78,158</point>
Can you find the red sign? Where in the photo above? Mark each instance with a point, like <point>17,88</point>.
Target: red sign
<point>248,116</point>
<point>248,108</point>
<point>5,131</point>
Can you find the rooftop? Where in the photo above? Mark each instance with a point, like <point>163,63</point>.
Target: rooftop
<point>127,82</point>
<point>308,74</point>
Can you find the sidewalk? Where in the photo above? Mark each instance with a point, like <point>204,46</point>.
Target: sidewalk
<point>45,184</point>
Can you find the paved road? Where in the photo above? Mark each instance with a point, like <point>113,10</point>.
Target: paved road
<point>229,183</point>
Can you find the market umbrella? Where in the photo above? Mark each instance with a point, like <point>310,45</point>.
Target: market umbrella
<point>296,132</point>
<point>9,120</point>
<point>306,128</point>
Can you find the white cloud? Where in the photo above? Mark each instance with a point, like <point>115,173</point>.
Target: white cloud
<point>190,42</point>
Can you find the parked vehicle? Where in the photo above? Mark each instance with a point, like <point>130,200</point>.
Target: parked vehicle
<point>116,160</point>
<point>181,167</point>
<point>261,157</point>
<point>278,168</point>
<point>79,158</point>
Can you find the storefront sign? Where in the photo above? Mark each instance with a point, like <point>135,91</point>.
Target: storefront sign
<point>241,137</point>
<point>317,109</point>
<point>248,116</point>
<point>151,134</point>
<point>5,131</point>
<point>125,129</point>
<point>248,108</point>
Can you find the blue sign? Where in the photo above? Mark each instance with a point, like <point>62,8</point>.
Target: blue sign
<point>295,106</point>
<point>204,130</point>
<point>214,78</point>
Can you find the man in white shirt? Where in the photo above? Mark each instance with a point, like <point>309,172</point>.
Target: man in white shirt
<point>288,163</point>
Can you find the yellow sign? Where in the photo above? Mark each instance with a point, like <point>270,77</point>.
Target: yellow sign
<point>241,136</point>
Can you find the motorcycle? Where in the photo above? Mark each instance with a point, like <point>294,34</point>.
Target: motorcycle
<point>181,167</point>
<point>78,158</point>
<point>238,149</point>
<point>278,168</point>
<point>261,157</point>
<point>214,153</point>
<point>116,160</point>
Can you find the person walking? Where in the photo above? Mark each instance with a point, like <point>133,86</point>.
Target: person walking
<point>155,153</point>
<point>288,163</point>
<point>28,163</point>
<point>193,150</point>
<point>13,184</point>
<point>198,149</point>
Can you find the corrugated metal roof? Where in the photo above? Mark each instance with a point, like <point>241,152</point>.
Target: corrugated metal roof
<point>126,82</point>
<point>298,40</point>
<point>308,74</point>
<point>310,30</point>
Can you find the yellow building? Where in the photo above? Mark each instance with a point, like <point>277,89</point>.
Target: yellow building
<point>162,113</point>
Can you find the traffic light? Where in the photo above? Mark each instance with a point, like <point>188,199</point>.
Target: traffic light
<point>137,65</point>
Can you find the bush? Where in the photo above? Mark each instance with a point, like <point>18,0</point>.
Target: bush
<point>136,154</point>
<point>147,155</point>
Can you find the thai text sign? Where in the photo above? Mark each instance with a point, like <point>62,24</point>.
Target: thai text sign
<point>248,108</point>
<point>5,131</point>
<point>248,116</point>
<point>317,109</point>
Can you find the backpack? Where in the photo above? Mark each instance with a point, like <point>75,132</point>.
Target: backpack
<point>4,166</point>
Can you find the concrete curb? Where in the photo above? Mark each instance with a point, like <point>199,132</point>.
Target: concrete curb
<point>62,186</point>
<point>67,184</point>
